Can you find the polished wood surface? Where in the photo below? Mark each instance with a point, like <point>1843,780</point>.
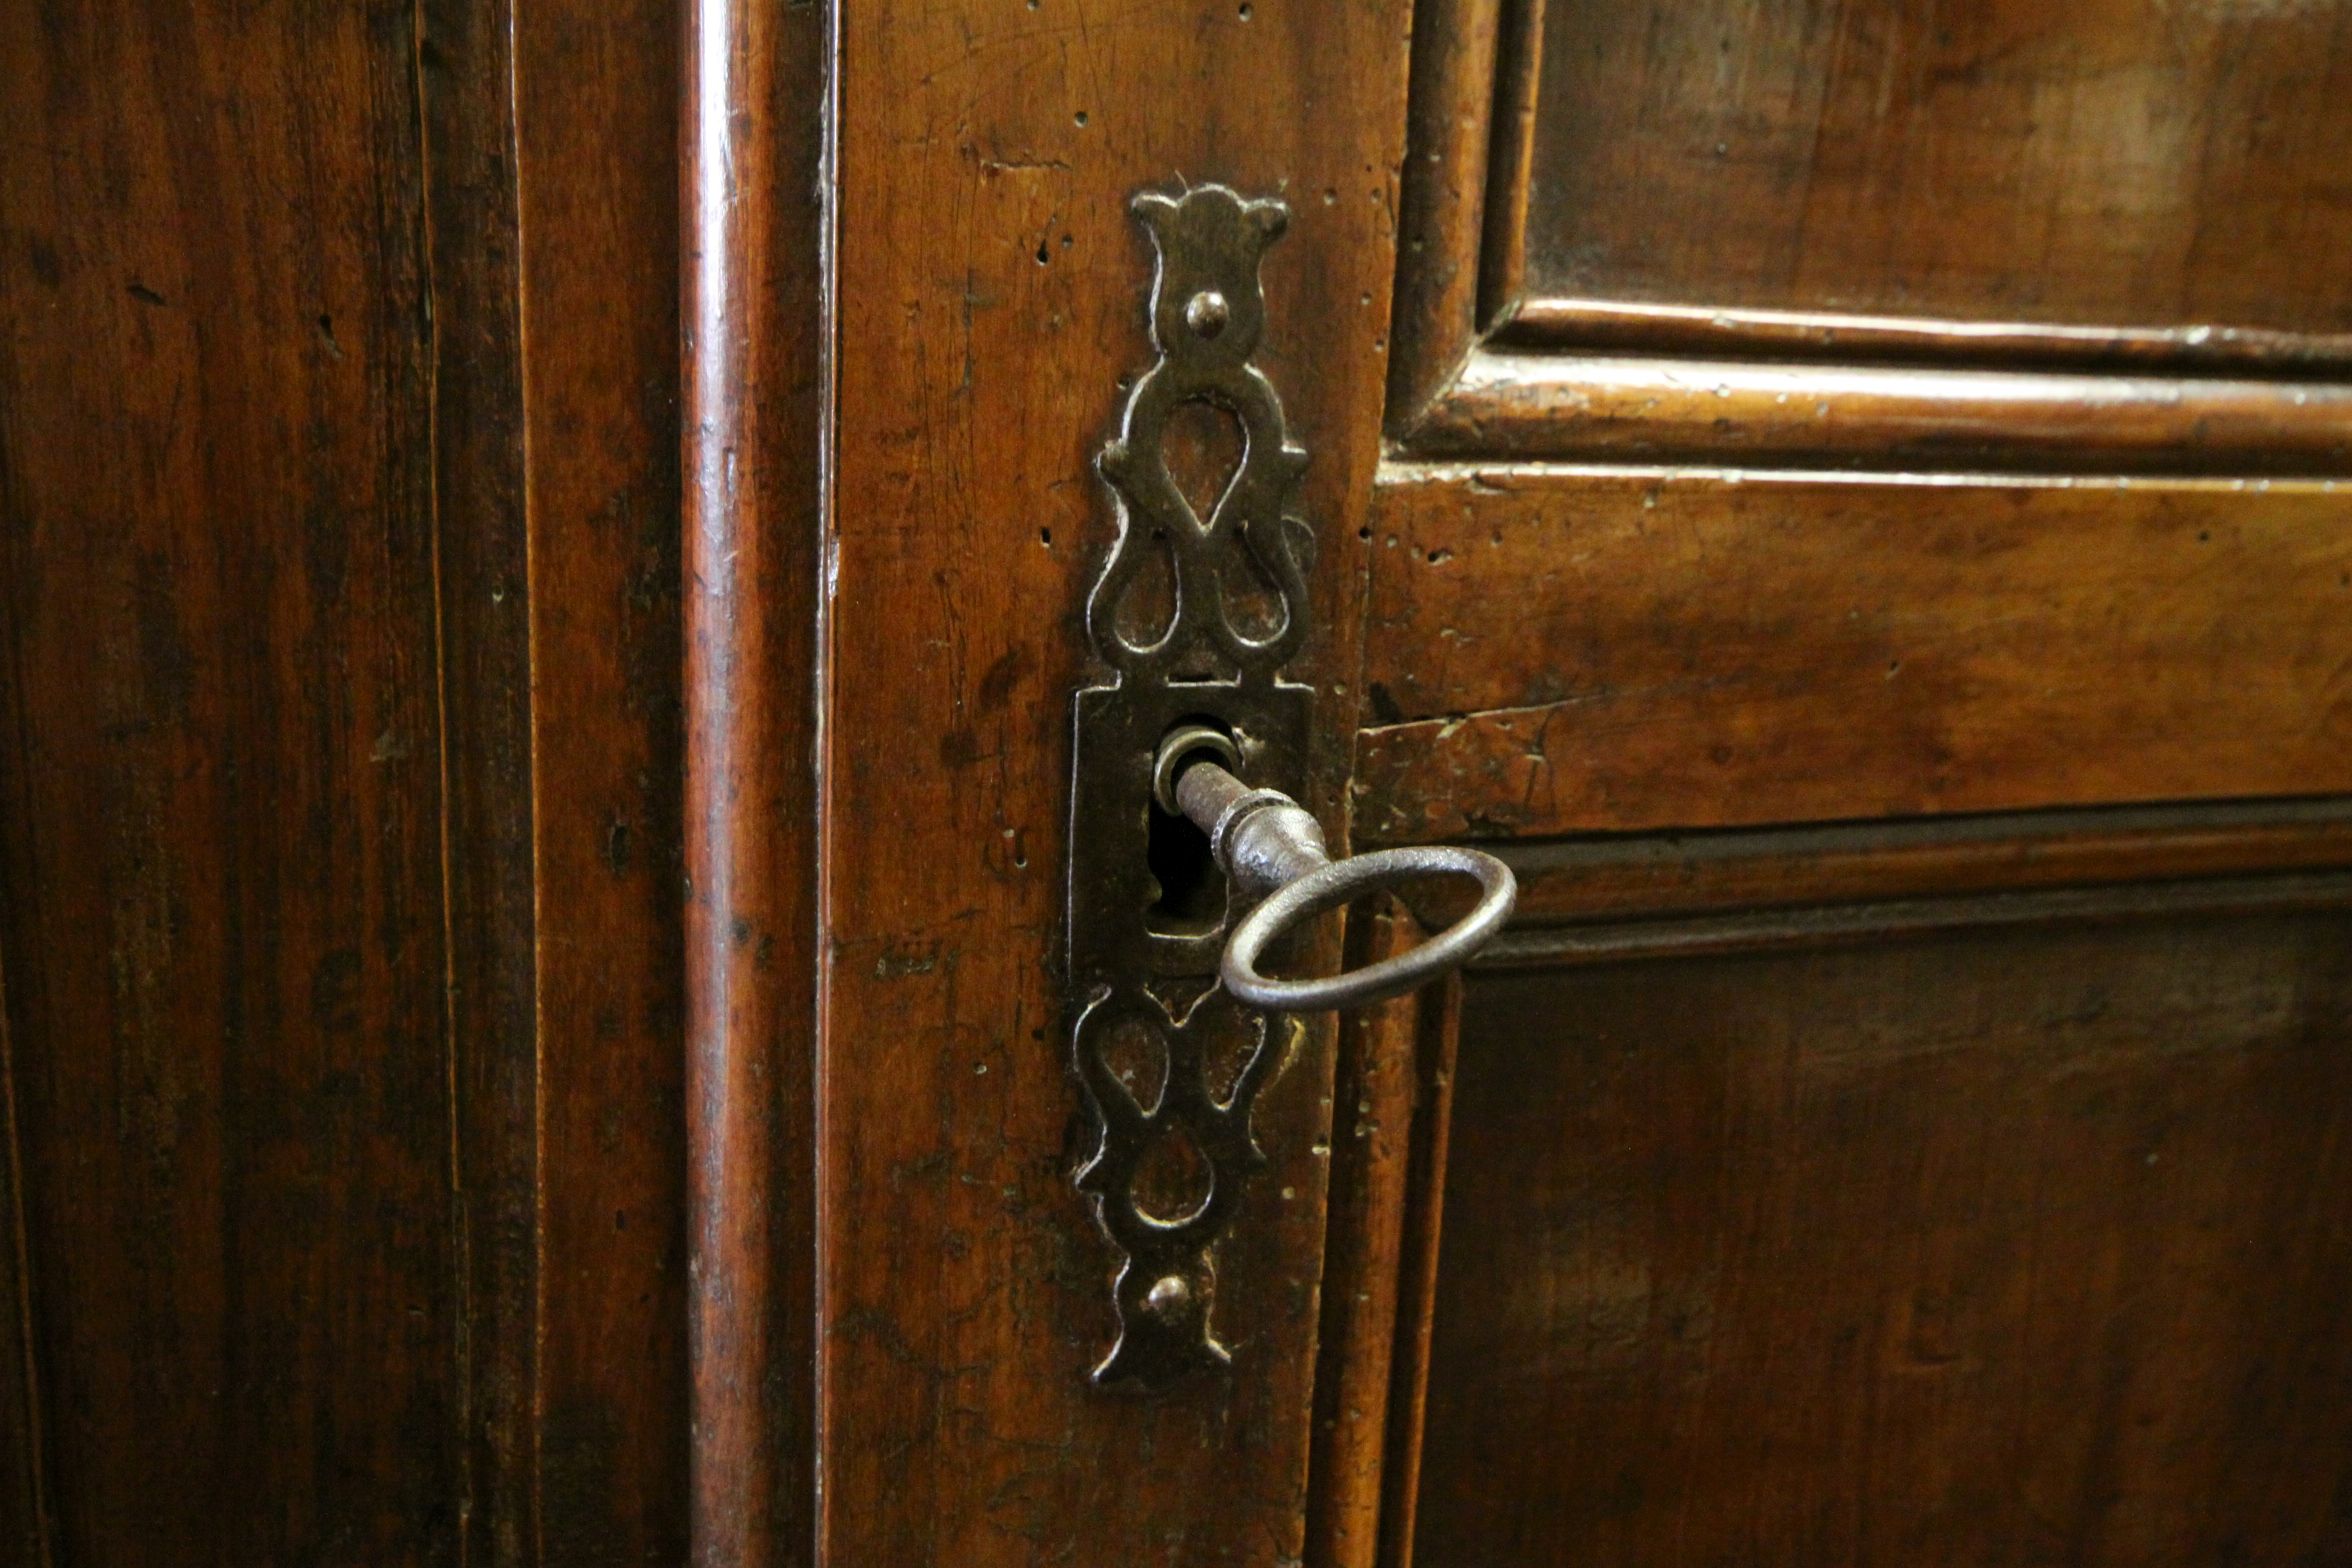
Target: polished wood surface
<point>991,288</point>
<point>338,800</point>
<point>1842,276</point>
<point>596,114</point>
<point>1596,882</point>
<point>225,920</point>
<point>1639,913</point>
<point>542,553</point>
<point>2134,163</point>
<point>1902,1124</point>
<point>1707,331</point>
<point>757,363</point>
<point>1624,408</point>
<point>1381,1092</point>
<point>1679,651</point>
<point>1442,209</point>
<point>2007,1246</point>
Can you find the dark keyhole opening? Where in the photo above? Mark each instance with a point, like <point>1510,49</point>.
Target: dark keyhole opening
<point>1192,891</point>
<point>1191,899</point>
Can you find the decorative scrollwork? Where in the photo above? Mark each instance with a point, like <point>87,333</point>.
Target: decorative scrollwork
<point>1207,318</point>
<point>1208,313</point>
<point>1167,1284</point>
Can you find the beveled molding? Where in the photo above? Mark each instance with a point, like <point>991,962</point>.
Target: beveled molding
<point>1607,896</point>
<point>1665,897</point>
<point>1481,369</point>
<point>1683,895</point>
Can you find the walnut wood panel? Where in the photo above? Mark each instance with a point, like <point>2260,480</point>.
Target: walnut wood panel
<point>1553,652</point>
<point>2000,1245</point>
<point>1605,899</point>
<point>1595,880</point>
<point>470,297</point>
<point>1617,408</point>
<point>991,301</point>
<point>223,912</point>
<point>757,358</point>
<point>2138,163</point>
<point>1376,1102</point>
<point>1602,881</point>
<point>1716,331</point>
<point>24,1491</point>
<point>1442,219</point>
<point>1967,246</point>
<point>337,824</point>
<point>597,115</point>
<point>1571,291</point>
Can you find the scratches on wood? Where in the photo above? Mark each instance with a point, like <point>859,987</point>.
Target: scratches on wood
<point>993,312</point>
<point>595,127</point>
<point>222,912</point>
<point>24,1492</point>
<point>485,588</point>
<point>1682,651</point>
<point>269,818</point>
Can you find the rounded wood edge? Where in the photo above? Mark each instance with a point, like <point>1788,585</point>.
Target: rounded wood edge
<point>1563,325</point>
<point>1395,1062</point>
<point>1443,200</point>
<point>1572,407</point>
<point>754,366</point>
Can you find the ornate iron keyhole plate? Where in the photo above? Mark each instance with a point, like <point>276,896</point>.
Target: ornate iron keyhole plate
<point>1207,658</point>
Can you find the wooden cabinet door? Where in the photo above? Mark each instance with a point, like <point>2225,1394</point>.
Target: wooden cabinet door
<point>1844,498</point>
<point>537,801</point>
<point>342,1206</point>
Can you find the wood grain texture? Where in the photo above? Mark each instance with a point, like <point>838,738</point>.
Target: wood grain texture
<point>1442,218</point>
<point>597,95</point>
<point>1437,1060</point>
<point>1595,880</point>
<point>465,74</point>
<point>1638,409</point>
<point>1762,1258</point>
<point>220,812</point>
<point>1567,291</point>
<point>1914,919</point>
<point>1715,332</point>
<point>1684,652</point>
<point>991,302</point>
<point>24,1489</point>
<point>1675,1324</point>
<point>1373,1124</point>
<point>757,365</point>
<point>300,577</point>
<point>2136,163</point>
<point>1512,147</point>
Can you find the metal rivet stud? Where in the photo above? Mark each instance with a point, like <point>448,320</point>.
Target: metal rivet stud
<point>1169,1295</point>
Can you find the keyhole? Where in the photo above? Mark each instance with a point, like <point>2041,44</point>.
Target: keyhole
<point>1192,890</point>
<point>1191,899</point>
